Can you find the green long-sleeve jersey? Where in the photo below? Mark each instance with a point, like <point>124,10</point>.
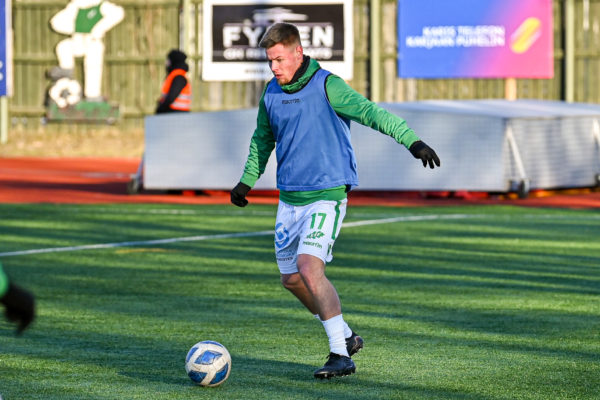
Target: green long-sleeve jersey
<point>347,103</point>
<point>3,282</point>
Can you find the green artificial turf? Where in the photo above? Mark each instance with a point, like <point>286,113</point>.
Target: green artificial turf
<point>475,302</point>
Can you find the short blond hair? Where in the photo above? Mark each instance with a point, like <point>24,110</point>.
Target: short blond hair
<point>280,32</point>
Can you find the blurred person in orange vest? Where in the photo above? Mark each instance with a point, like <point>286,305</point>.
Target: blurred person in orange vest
<point>175,96</point>
<point>176,92</point>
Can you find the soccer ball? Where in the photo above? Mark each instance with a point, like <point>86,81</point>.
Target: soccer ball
<point>208,363</point>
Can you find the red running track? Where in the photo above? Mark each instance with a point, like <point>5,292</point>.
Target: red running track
<point>104,180</point>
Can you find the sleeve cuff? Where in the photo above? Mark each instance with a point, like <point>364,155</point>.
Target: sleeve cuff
<point>410,138</point>
<point>249,180</point>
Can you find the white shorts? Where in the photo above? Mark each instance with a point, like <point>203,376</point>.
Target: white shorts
<point>310,229</point>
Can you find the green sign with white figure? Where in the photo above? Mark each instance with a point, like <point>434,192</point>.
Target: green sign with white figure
<point>85,22</point>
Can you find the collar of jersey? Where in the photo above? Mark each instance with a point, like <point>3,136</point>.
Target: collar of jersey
<point>313,67</point>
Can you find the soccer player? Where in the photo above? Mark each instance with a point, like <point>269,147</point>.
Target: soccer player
<point>304,113</point>
<point>18,303</point>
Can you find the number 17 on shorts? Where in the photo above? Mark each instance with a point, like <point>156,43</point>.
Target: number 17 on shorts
<point>310,229</point>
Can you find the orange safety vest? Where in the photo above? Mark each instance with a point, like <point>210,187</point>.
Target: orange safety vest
<point>184,100</point>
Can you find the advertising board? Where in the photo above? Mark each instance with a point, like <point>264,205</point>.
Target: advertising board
<point>475,39</point>
<point>5,48</point>
<point>232,30</point>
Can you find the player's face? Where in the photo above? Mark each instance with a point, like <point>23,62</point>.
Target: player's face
<point>284,61</point>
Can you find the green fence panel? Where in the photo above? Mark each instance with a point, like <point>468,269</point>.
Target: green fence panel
<point>587,51</point>
<point>136,49</point>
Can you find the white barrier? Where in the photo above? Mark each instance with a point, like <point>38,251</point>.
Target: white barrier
<point>484,145</point>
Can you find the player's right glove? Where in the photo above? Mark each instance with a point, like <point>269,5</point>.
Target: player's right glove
<point>238,194</point>
<point>20,307</point>
<point>425,153</point>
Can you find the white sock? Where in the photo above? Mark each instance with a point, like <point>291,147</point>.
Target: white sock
<point>347,330</point>
<point>334,327</point>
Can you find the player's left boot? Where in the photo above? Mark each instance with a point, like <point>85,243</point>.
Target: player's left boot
<point>336,365</point>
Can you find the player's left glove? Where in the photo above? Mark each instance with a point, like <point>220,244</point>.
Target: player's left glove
<point>20,306</point>
<point>425,153</point>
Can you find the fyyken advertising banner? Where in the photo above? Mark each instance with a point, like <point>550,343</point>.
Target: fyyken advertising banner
<point>232,30</point>
<point>475,39</point>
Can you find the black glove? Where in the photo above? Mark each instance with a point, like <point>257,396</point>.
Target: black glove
<point>420,150</point>
<point>20,307</point>
<point>238,194</point>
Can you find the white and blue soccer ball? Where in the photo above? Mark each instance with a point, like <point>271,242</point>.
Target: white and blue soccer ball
<point>208,363</point>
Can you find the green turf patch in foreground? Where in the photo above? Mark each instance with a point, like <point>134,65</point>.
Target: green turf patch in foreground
<point>453,303</point>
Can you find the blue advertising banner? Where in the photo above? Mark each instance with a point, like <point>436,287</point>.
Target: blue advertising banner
<point>5,48</point>
<point>475,39</point>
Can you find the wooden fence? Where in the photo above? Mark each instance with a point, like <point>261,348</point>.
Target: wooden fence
<point>136,49</point>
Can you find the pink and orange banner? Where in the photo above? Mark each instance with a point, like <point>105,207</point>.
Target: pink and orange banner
<point>475,39</point>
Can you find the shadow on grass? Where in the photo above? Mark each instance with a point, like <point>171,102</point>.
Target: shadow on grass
<point>135,367</point>
<point>254,378</point>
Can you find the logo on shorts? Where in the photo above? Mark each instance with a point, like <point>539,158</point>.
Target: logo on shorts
<point>315,235</point>
<point>282,236</point>
<point>313,244</point>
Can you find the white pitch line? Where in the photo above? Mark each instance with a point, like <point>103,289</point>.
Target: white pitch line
<point>220,236</point>
<point>405,219</point>
<point>134,243</point>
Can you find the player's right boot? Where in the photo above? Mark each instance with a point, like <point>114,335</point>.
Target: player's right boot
<point>336,365</point>
<point>354,343</point>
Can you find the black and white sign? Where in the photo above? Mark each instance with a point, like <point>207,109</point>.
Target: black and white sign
<point>233,29</point>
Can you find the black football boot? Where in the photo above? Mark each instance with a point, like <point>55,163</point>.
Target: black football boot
<point>336,365</point>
